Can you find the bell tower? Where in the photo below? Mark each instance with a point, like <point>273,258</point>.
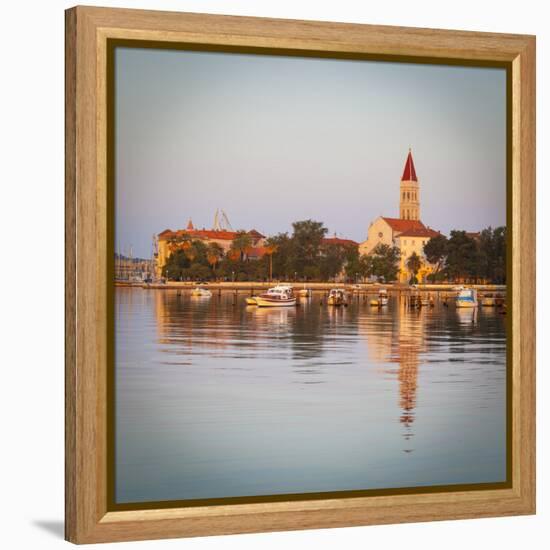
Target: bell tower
<point>409,192</point>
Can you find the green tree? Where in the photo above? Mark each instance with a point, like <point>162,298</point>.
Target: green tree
<point>435,251</point>
<point>492,254</point>
<point>282,256</point>
<point>197,253</point>
<point>499,247</point>
<point>198,272</point>
<point>214,254</point>
<point>359,266</point>
<point>307,237</point>
<point>270,249</point>
<point>332,259</point>
<point>187,261</point>
<point>179,242</point>
<point>175,265</point>
<point>241,244</point>
<point>462,256</point>
<point>384,263</point>
<point>414,263</point>
<point>312,272</point>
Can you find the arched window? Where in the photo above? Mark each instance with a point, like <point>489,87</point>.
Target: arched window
<point>404,195</point>
<point>408,196</point>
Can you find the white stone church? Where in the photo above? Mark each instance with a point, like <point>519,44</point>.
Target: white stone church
<point>407,232</point>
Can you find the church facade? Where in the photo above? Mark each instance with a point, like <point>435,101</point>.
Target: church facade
<point>407,232</point>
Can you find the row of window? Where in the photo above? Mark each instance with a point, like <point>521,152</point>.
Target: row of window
<point>424,241</point>
<point>408,195</point>
<point>407,214</point>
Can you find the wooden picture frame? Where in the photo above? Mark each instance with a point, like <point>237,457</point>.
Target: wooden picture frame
<point>88,204</point>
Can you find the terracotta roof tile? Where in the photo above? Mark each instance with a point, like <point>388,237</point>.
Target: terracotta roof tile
<point>256,252</point>
<point>418,232</point>
<point>399,225</point>
<point>338,240</point>
<point>409,173</point>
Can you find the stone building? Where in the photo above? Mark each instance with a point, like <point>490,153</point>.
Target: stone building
<point>407,232</point>
<point>224,238</point>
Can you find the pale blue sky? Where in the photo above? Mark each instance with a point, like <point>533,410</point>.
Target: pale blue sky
<point>272,140</point>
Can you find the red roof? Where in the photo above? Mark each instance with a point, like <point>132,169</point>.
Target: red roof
<point>409,174</point>
<point>337,240</point>
<point>256,234</point>
<point>399,225</point>
<point>212,234</point>
<point>206,234</point>
<point>417,232</point>
<point>257,252</point>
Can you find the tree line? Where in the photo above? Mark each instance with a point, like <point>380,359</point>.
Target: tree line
<point>306,255</point>
<point>468,257</point>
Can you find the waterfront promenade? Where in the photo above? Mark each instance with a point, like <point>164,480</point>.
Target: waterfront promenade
<point>250,286</point>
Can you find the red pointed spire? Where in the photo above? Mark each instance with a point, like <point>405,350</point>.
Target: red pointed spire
<point>409,174</point>
<point>190,225</point>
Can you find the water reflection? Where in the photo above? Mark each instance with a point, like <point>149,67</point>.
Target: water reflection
<point>216,398</point>
<point>468,316</point>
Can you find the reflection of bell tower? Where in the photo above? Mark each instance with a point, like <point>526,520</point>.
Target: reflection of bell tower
<point>409,198</point>
<point>408,374</point>
<point>406,350</point>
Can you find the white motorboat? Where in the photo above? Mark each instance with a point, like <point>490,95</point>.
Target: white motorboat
<point>381,299</point>
<point>467,298</point>
<point>278,296</point>
<point>201,292</point>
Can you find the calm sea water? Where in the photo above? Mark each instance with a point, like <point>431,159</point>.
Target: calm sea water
<point>216,400</point>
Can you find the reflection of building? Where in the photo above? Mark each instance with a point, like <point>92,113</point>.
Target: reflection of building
<point>402,344</point>
<point>407,345</point>
<point>407,232</point>
<point>223,237</point>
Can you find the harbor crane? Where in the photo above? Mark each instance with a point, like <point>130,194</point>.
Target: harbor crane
<point>221,221</point>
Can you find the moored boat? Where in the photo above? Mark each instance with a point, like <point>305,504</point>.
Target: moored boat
<point>304,293</point>
<point>381,300</point>
<point>251,301</point>
<point>278,296</point>
<point>466,298</point>
<point>201,292</point>
<point>337,297</point>
<point>488,300</point>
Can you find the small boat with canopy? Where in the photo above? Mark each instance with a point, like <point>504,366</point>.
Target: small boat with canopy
<point>278,296</point>
<point>466,298</point>
<point>337,297</point>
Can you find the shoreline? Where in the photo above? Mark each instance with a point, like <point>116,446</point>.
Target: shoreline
<point>314,286</point>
